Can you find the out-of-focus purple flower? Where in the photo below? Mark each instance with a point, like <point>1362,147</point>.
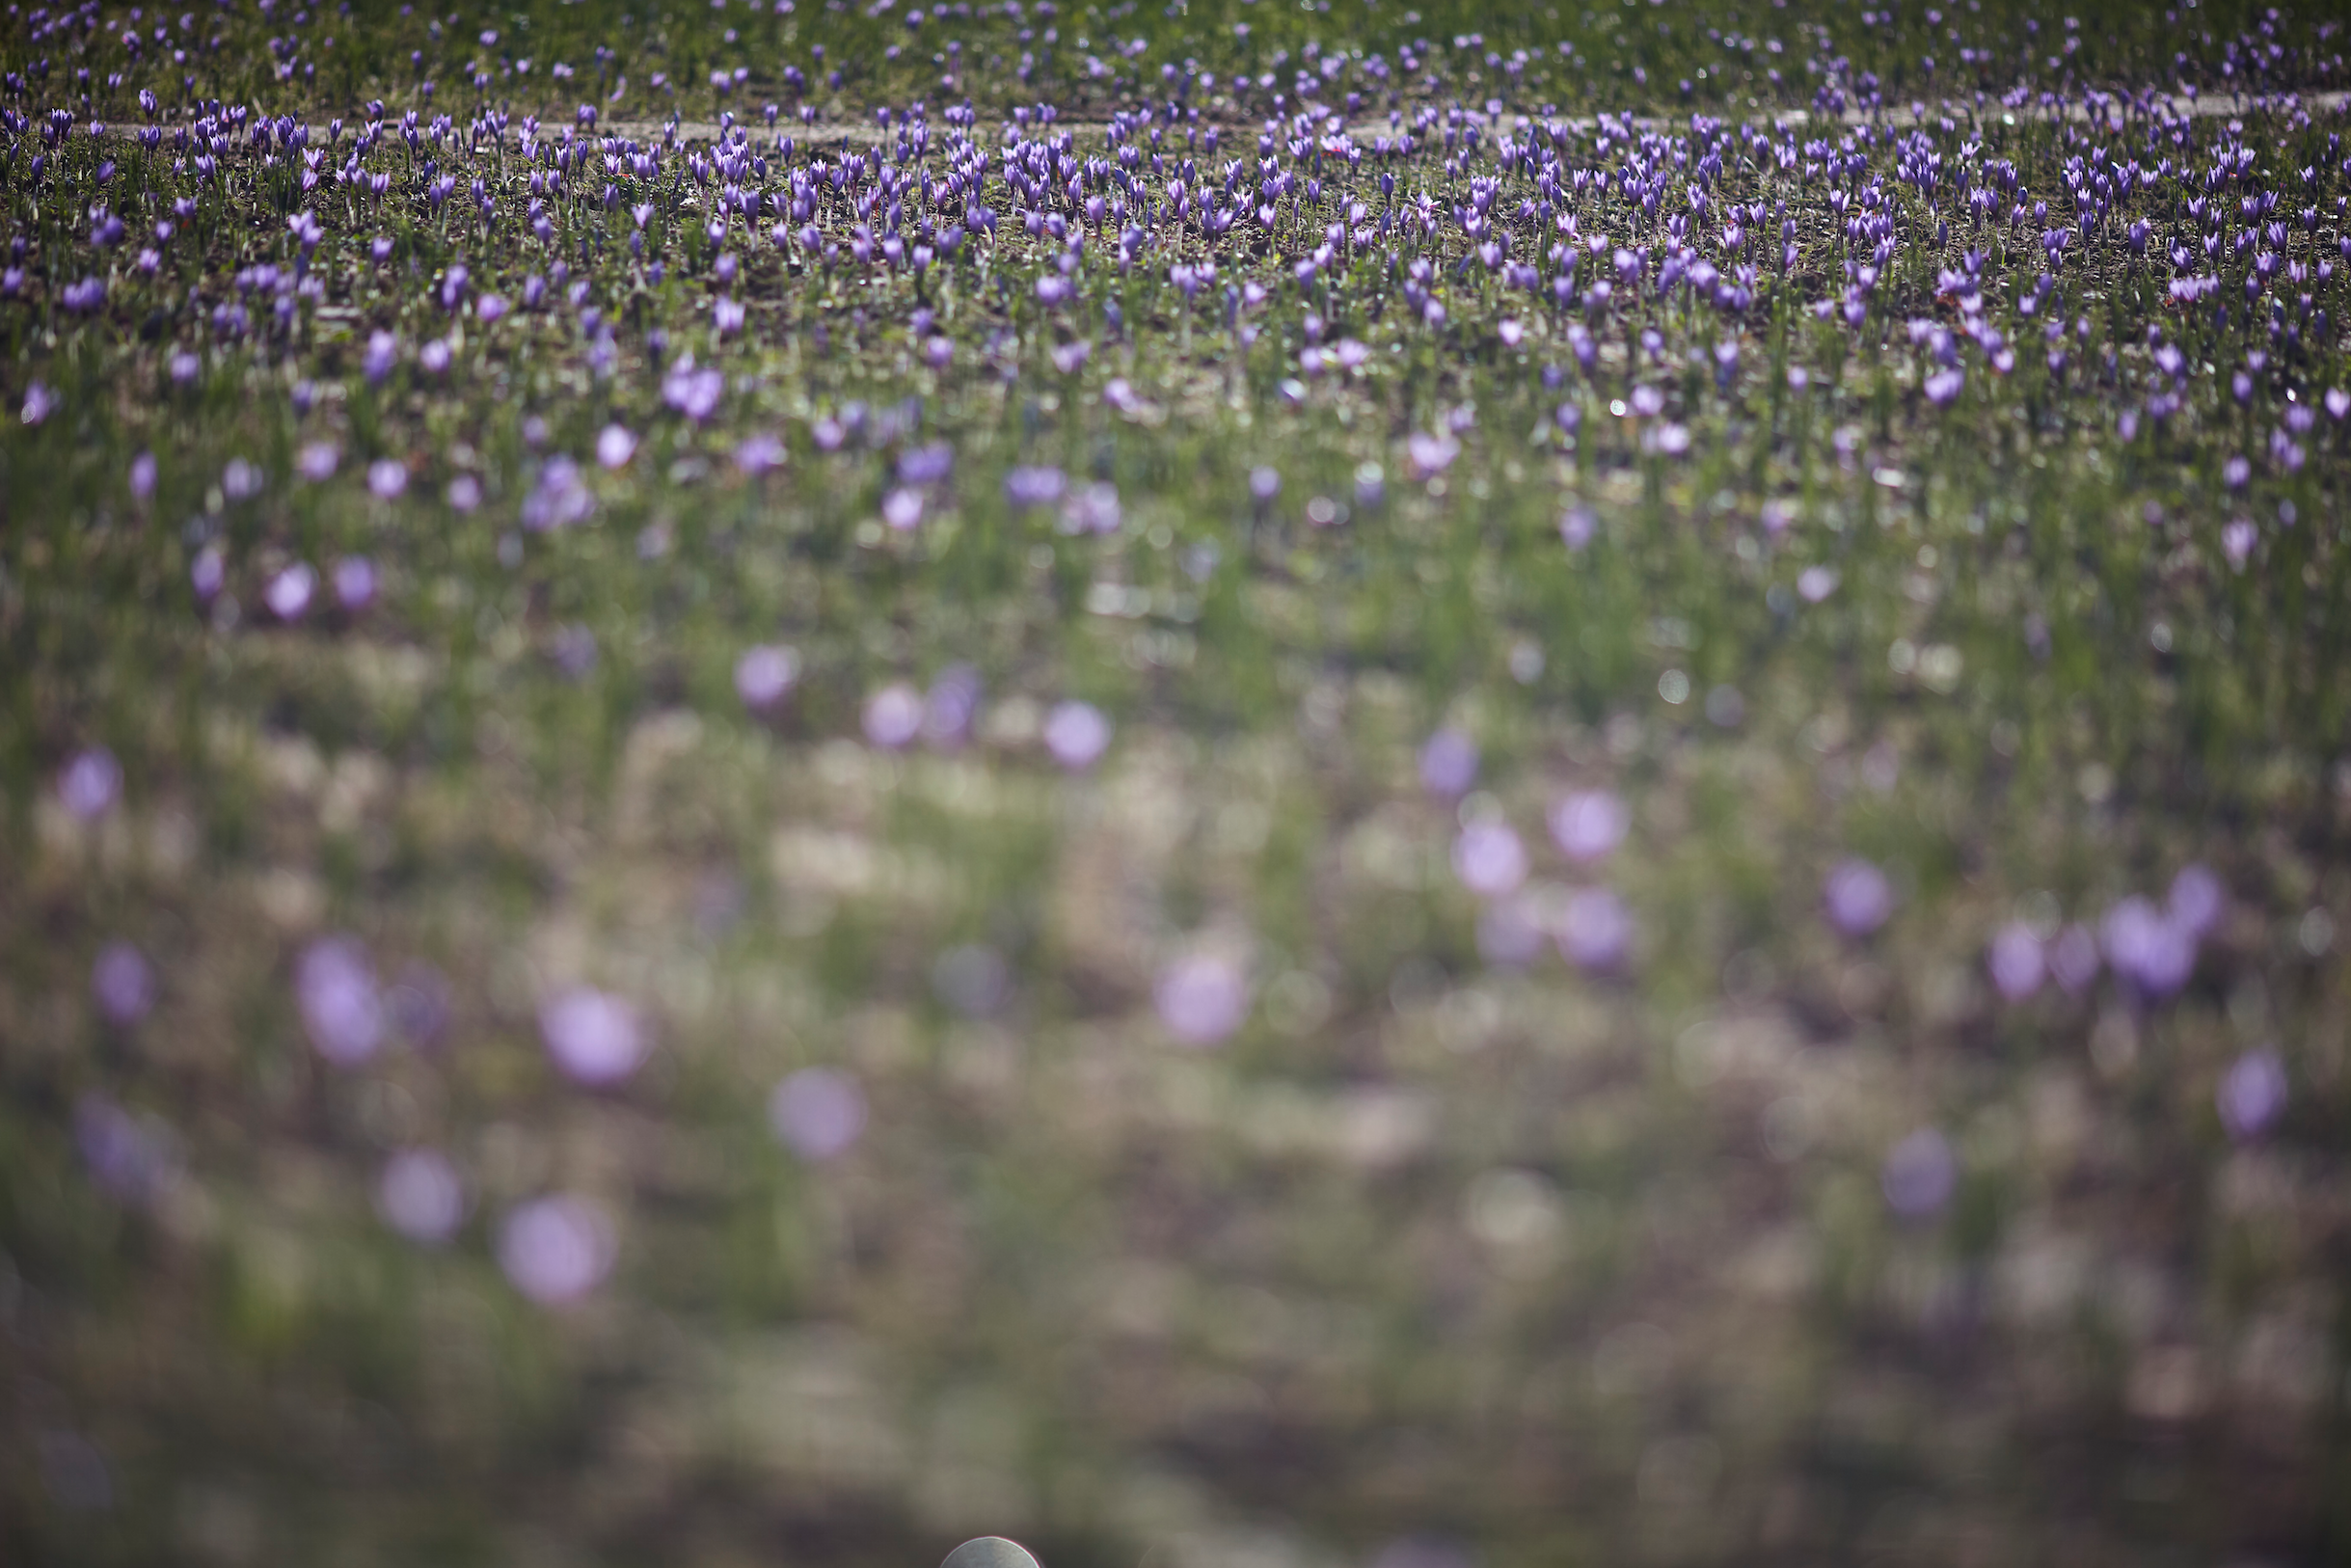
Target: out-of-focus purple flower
<point>317,461</point>
<point>1858,897</point>
<point>1588,823</point>
<point>894,715</point>
<point>91,783</point>
<point>127,1155</point>
<point>1577,525</point>
<point>355,583</point>
<point>1430,454</point>
<point>290,592</point>
<point>614,447</point>
<point>1264,485</point>
<point>818,1113</point>
<point>143,476</point>
<point>434,356</point>
<point>2237,540</point>
<point>420,1195</point>
<point>386,478</point>
<point>827,433</point>
<point>39,400</point>
<point>1030,487</point>
<point>692,392</point>
<point>1201,998</point>
<point>1448,763</point>
<point>1489,859</point>
<point>342,1008</point>
<point>926,465</point>
<point>1091,508</point>
<point>240,481</point>
<point>123,983</point>
<point>489,307</point>
<point>596,1038</point>
<point>2147,947</point>
<point>559,500</point>
<point>903,508</point>
<point>1069,358</point>
<point>463,492</point>
<point>558,1249</point>
<point>2252,1093</point>
<point>1076,734</point>
<point>1942,388</point>
<point>1816,582</point>
<point>766,673</point>
<point>949,707</point>
<point>2073,960</point>
<point>383,353</point>
<point>2017,960</point>
<point>207,573</point>
<point>2196,900</point>
<point>1594,928</point>
<point>759,453</point>
<point>1920,1175</point>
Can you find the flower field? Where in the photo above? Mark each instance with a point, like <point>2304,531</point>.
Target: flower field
<point>1224,783</point>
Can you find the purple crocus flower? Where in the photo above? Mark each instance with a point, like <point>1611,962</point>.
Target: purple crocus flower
<point>2196,900</point>
<point>818,1113</point>
<point>1201,998</point>
<point>1030,487</point>
<point>317,461</point>
<point>91,783</point>
<point>290,591</point>
<point>1448,763</point>
<point>355,583</point>
<point>383,353</point>
<point>596,1038</point>
<point>2017,960</point>
<point>2073,960</point>
<point>1594,928</point>
<point>925,466</point>
<point>1430,454</point>
<point>1076,734</point>
<point>559,500</point>
<point>1588,823</point>
<point>2147,947</point>
<point>759,453</point>
<point>903,508</point>
<point>342,1008</point>
<point>123,983</point>
<point>558,1249</point>
<point>2252,1093</point>
<point>894,715</point>
<point>1489,859</point>
<point>692,392</point>
<point>766,673</point>
<point>386,478</point>
<point>127,1155</point>
<point>614,447</point>
<point>420,1195</point>
<point>1858,897</point>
